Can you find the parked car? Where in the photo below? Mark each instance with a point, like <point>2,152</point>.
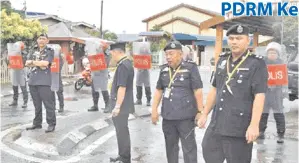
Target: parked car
<point>293,79</point>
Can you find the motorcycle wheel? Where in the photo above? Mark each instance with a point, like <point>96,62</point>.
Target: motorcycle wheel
<point>79,84</point>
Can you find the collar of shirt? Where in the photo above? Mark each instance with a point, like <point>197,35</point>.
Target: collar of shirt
<point>239,59</point>
<point>177,66</point>
<point>122,59</point>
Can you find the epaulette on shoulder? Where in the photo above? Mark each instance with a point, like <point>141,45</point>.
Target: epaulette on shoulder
<point>50,48</point>
<point>257,56</point>
<point>163,66</point>
<point>224,54</point>
<point>190,61</point>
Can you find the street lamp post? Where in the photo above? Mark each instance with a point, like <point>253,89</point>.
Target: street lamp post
<point>101,27</point>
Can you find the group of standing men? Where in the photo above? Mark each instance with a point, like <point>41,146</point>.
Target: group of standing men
<point>236,98</point>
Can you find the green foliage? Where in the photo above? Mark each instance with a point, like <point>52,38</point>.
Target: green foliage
<point>15,28</point>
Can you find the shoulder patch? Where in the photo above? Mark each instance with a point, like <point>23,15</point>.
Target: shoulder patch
<point>190,61</point>
<point>163,66</point>
<point>257,56</point>
<point>224,54</point>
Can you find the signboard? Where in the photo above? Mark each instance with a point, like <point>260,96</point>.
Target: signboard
<point>97,62</point>
<point>277,75</point>
<point>142,61</point>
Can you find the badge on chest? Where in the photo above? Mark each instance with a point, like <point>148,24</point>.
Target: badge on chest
<point>167,93</point>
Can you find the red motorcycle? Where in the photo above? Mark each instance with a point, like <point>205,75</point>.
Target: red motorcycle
<point>84,80</point>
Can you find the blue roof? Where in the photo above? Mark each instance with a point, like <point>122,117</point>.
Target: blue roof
<point>181,37</point>
<point>212,43</point>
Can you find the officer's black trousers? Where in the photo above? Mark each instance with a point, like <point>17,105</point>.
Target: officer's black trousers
<point>16,93</point>
<point>123,137</point>
<point>280,123</point>
<point>43,94</point>
<point>148,93</point>
<point>179,129</point>
<point>217,148</point>
<point>60,97</point>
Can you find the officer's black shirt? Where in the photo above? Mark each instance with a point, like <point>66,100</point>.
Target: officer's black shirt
<point>232,113</point>
<point>37,75</point>
<point>181,104</point>
<point>124,76</point>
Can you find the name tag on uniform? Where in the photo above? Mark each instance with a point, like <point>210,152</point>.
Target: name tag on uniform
<point>183,70</point>
<point>167,93</point>
<point>243,69</point>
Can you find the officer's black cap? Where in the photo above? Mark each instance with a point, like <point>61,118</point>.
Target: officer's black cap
<point>174,45</point>
<point>118,45</point>
<point>238,29</point>
<point>43,35</point>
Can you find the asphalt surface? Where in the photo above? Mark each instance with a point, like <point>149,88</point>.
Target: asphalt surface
<point>100,143</point>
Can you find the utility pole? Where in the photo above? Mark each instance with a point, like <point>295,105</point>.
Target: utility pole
<point>25,8</point>
<point>101,27</point>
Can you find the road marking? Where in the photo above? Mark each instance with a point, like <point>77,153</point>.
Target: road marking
<point>97,143</point>
<point>76,136</point>
<point>33,145</point>
<point>77,158</point>
<point>99,124</point>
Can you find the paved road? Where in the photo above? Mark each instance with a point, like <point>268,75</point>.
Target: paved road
<point>98,146</point>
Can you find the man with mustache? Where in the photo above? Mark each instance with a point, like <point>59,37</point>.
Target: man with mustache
<point>180,86</point>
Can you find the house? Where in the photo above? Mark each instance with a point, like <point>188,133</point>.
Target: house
<point>182,18</point>
<point>71,36</point>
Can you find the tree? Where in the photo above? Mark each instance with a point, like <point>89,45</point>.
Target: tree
<point>111,36</point>
<point>156,28</point>
<point>15,28</point>
<point>289,27</point>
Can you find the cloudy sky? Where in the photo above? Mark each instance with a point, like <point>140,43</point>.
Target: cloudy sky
<point>119,15</point>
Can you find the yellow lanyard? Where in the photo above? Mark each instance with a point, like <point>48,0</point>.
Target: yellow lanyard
<point>234,70</point>
<point>172,77</point>
<point>123,59</point>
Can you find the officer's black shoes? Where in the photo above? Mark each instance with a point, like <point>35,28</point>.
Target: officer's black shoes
<point>94,108</point>
<point>14,103</point>
<point>148,103</point>
<point>50,128</point>
<point>280,139</point>
<point>24,105</point>
<point>115,159</point>
<point>61,109</point>
<point>138,102</point>
<point>33,127</point>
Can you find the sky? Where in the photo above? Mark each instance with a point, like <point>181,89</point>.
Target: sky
<point>120,16</point>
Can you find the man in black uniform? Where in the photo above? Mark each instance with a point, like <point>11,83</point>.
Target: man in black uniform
<point>40,84</point>
<point>122,101</point>
<point>237,98</point>
<point>15,88</point>
<point>60,90</point>
<point>181,87</point>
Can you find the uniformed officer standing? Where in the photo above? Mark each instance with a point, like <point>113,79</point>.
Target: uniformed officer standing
<point>60,90</point>
<point>181,87</point>
<point>274,96</point>
<point>40,84</point>
<point>104,86</point>
<point>122,101</point>
<point>237,96</point>
<point>15,88</point>
<point>143,78</point>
